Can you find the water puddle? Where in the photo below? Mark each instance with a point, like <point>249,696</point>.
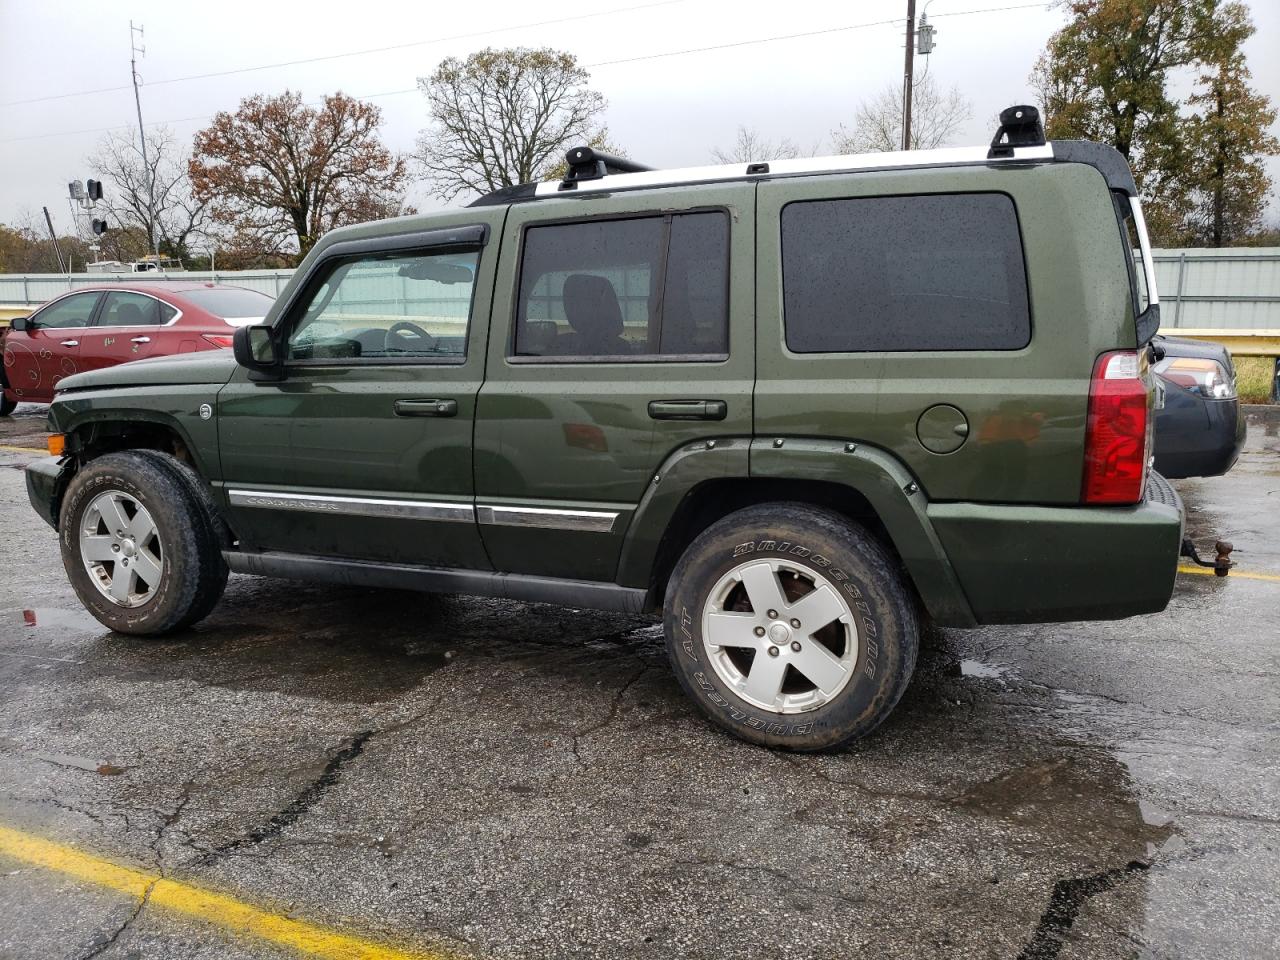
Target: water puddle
<point>984,671</point>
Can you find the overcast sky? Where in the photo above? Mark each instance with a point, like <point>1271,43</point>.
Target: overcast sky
<point>664,110</point>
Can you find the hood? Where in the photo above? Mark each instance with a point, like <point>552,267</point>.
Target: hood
<point>203,366</point>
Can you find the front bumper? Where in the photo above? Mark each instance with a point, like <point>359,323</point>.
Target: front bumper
<point>1028,564</point>
<point>46,481</point>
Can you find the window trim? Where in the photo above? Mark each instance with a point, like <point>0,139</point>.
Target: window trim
<point>516,359</point>
<point>469,237</point>
<point>1026,279</point>
<point>99,310</point>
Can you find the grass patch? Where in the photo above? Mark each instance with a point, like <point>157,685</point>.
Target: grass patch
<point>1254,378</point>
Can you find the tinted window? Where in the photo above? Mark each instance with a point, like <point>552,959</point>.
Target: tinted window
<point>237,306</point>
<point>388,307</point>
<point>904,273</point>
<point>625,289</point>
<point>125,309</point>
<point>72,311</point>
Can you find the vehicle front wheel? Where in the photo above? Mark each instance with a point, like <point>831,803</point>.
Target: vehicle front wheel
<point>791,626</point>
<point>140,543</point>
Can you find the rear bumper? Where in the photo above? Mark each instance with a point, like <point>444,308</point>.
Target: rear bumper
<point>1029,564</point>
<point>46,481</point>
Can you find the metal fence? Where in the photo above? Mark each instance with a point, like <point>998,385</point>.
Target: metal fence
<point>30,289</point>
<point>1235,288</point>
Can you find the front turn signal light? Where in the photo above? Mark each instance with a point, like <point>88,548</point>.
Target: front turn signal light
<point>57,444</point>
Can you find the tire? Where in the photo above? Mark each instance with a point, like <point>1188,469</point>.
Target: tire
<point>862,654</point>
<point>6,404</point>
<point>151,509</point>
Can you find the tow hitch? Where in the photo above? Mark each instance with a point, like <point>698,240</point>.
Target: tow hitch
<point>1221,564</point>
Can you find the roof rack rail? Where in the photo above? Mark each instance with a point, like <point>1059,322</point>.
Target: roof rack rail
<point>587,163</point>
<point>1019,127</point>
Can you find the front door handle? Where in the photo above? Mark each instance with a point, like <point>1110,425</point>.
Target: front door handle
<point>140,340</point>
<point>426,408</point>
<point>71,343</point>
<point>688,409</point>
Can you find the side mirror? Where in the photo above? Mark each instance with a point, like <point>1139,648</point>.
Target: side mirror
<point>256,350</point>
<point>21,323</point>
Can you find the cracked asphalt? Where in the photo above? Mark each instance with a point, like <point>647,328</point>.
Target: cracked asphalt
<point>499,779</point>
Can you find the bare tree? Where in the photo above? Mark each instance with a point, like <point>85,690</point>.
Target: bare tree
<point>279,173</point>
<point>750,147</point>
<point>180,217</point>
<point>503,117</point>
<point>877,127</point>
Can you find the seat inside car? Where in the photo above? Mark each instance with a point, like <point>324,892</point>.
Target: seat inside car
<point>592,310</point>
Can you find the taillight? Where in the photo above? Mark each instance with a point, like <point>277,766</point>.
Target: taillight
<point>218,339</point>
<point>1117,443</point>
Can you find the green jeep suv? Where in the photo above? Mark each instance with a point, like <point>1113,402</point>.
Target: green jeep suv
<point>798,407</point>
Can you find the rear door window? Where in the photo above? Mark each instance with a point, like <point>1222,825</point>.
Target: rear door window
<point>125,309</point>
<point>645,288</point>
<point>910,273</point>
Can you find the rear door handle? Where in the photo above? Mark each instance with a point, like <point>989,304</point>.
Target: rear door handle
<point>426,408</point>
<point>688,409</point>
<point>71,343</point>
<point>140,340</point>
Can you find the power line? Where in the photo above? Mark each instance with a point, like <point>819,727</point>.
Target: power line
<point>605,63</point>
<point>351,53</point>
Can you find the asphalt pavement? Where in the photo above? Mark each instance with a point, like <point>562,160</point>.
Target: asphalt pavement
<point>417,775</point>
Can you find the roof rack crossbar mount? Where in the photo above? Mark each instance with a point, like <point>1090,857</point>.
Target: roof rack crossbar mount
<point>1020,126</point>
<point>587,163</point>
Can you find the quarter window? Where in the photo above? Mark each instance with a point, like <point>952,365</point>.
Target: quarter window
<point>904,274</point>
<point>72,311</point>
<point>647,288</point>
<point>125,309</point>
<point>402,306</point>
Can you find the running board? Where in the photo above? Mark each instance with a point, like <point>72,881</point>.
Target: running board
<point>478,583</point>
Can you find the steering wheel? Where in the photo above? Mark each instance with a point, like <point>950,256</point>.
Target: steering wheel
<point>399,329</point>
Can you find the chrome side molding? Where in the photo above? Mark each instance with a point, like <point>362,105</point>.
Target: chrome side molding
<point>547,518</point>
<point>590,521</point>
<point>353,506</point>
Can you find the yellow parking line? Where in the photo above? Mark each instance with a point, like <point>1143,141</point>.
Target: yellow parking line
<point>227,912</point>
<point>1235,574</point>
<point>5,446</point>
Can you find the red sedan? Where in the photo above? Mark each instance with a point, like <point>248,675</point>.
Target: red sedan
<point>94,327</point>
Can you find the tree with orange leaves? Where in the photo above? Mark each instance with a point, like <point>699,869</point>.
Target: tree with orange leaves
<point>279,173</point>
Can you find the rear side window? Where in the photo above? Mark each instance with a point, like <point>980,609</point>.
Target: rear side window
<point>125,309</point>
<point>880,274</point>
<point>612,290</point>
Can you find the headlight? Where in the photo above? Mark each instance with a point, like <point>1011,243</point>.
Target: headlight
<point>1208,378</point>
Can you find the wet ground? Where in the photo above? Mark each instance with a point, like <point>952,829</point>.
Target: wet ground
<point>512,780</point>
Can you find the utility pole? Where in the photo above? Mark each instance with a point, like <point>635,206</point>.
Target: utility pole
<point>142,137</point>
<point>906,74</point>
<point>57,251</point>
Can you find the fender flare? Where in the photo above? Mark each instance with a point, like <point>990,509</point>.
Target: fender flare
<point>877,476</point>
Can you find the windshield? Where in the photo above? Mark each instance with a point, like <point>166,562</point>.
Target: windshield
<point>236,305</point>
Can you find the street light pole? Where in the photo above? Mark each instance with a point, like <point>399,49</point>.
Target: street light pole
<point>906,74</point>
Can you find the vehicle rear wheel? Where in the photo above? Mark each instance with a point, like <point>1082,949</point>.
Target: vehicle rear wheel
<point>141,543</point>
<point>791,626</point>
